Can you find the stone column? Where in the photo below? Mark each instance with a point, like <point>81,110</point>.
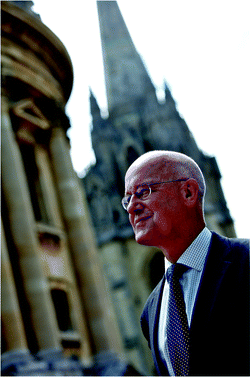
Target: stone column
<point>12,322</point>
<point>96,302</point>
<point>114,264</point>
<point>22,224</point>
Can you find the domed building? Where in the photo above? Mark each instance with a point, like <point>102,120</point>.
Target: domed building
<point>57,317</point>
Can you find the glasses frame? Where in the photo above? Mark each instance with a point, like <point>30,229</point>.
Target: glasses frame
<point>126,199</point>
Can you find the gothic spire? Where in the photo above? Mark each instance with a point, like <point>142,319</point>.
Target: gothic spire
<point>94,107</point>
<point>98,122</point>
<point>126,77</point>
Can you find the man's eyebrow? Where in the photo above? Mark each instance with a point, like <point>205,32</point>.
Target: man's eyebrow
<point>128,192</point>
<point>149,183</point>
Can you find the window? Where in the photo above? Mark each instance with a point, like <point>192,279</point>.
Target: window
<point>62,309</point>
<point>33,179</point>
<point>116,216</point>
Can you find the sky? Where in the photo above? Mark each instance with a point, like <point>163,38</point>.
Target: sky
<point>200,48</point>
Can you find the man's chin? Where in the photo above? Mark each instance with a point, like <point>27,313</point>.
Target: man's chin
<point>143,238</point>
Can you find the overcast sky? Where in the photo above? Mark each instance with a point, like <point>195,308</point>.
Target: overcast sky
<point>201,49</point>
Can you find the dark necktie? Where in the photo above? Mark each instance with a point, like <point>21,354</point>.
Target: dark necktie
<point>177,324</point>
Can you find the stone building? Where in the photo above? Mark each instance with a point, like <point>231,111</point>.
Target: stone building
<point>57,317</point>
<point>137,123</point>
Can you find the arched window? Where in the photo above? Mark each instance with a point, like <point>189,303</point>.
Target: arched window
<point>116,216</point>
<point>132,155</point>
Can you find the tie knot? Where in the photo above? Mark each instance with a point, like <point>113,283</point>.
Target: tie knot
<point>176,271</point>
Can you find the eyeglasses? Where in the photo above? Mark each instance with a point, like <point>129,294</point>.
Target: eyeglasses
<point>143,191</point>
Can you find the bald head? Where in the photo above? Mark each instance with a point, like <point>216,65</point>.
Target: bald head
<point>168,165</point>
<point>171,214</point>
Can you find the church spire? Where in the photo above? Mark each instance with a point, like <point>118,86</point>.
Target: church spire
<point>126,77</point>
<point>98,122</point>
<point>94,108</point>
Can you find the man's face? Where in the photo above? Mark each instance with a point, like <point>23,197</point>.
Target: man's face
<point>156,219</point>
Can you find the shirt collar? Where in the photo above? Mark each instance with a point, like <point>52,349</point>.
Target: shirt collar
<point>195,255</point>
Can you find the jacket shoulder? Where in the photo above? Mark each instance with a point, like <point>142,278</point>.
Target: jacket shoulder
<point>236,246</point>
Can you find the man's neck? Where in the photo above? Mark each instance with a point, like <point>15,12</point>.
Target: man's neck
<point>175,249</point>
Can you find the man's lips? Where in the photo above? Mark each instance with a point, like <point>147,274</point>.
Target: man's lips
<point>141,220</point>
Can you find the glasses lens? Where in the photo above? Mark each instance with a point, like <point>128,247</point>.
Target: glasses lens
<point>143,192</point>
<point>125,201</point>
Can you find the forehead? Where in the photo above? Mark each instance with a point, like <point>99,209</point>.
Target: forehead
<point>143,173</point>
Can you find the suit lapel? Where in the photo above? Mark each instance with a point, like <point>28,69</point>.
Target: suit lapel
<point>155,310</point>
<point>214,272</point>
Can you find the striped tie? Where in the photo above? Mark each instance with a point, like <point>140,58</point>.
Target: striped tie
<point>177,324</point>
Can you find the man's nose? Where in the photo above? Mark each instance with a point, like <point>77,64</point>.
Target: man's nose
<point>134,204</point>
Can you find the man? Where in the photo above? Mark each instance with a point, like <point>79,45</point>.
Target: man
<point>209,333</point>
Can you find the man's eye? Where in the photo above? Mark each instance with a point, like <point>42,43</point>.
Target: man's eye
<point>128,198</point>
<point>142,194</point>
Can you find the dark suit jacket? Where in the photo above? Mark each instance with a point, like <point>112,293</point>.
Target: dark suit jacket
<point>219,331</point>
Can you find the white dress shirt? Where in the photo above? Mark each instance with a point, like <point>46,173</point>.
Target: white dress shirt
<point>193,257</point>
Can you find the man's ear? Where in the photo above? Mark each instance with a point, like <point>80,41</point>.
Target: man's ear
<point>190,192</point>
